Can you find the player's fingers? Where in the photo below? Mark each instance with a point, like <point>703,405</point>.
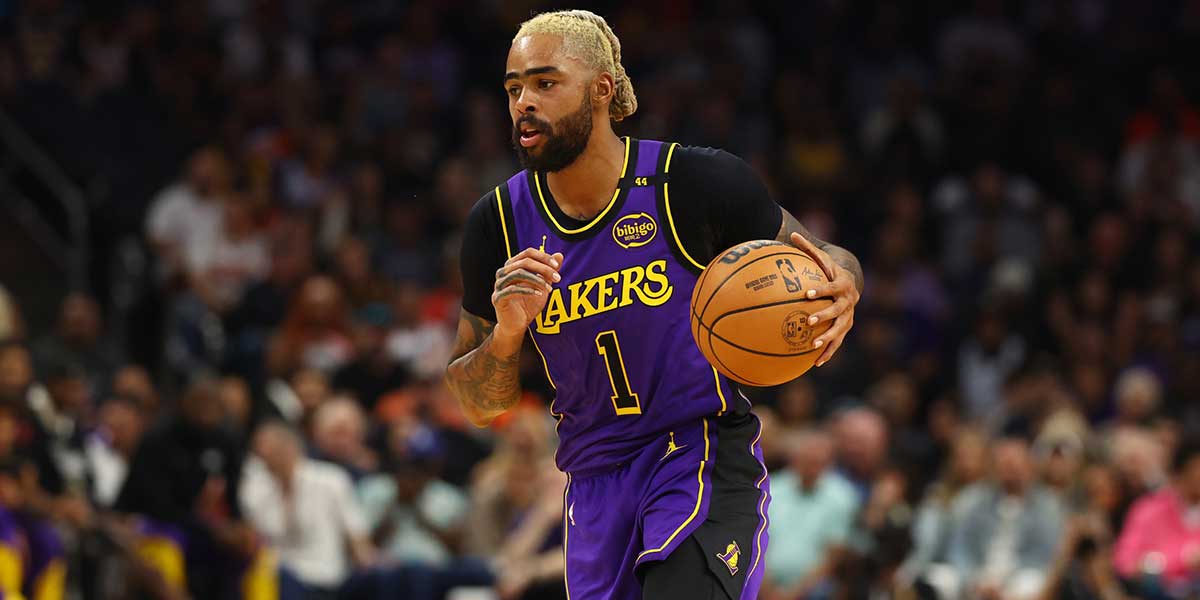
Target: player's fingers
<point>832,339</point>
<point>550,274</point>
<point>514,290</point>
<point>829,289</point>
<point>830,312</point>
<point>523,278</point>
<point>554,260</point>
<point>816,253</point>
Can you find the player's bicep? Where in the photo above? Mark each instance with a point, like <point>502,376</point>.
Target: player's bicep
<point>728,201</point>
<point>472,330</point>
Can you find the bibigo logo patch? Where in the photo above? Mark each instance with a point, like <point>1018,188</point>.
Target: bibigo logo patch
<point>636,230</point>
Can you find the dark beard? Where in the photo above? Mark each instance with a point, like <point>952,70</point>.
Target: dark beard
<point>564,141</point>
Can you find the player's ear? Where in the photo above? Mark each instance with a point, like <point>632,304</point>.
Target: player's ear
<point>603,88</point>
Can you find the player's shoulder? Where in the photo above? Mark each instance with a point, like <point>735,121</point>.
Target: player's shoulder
<point>704,160</point>
<point>487,202</point>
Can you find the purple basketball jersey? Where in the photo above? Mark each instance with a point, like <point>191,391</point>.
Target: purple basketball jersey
<point>615,334</point>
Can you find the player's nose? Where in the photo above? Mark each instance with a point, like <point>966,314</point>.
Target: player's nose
<point>525,102</point>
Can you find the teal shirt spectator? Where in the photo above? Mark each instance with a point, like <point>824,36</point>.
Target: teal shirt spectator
<point>806,523</point>
<point>441,505</point>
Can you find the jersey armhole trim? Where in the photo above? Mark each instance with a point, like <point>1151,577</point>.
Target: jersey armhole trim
<point>686,259</point>
<point>504,209</point>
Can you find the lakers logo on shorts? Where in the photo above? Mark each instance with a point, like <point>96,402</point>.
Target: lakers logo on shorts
<point>730,557</point>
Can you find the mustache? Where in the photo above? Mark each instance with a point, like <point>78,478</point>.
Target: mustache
<point>538,124</point>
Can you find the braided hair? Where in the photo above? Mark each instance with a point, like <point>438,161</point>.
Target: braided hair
<point>587,37</point>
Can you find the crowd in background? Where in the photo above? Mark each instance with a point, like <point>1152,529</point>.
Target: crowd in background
<point>1014,414</point>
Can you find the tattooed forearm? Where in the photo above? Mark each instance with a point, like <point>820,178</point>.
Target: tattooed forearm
<point>840,255</point>
<point>484,374</point>
<point>490,381</point>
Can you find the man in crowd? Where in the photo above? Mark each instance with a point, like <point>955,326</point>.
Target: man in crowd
<point>1008,528</point>
<point>816,506</point>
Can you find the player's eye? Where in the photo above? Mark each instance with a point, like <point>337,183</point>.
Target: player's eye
<point>545,84</point>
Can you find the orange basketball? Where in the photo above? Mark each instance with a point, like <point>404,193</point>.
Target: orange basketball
<point>750,313</point>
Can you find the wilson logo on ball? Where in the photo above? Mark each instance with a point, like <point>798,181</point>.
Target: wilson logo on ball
<point>632,231</point>
<point>741,250</point>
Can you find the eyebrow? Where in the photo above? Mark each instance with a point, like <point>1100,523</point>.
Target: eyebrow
<point>531,71</point>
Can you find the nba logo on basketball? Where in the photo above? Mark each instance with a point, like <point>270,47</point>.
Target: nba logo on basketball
<point>794,331</point>
<point>632,231</point>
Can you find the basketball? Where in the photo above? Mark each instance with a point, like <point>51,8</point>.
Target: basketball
<point>750,313</point>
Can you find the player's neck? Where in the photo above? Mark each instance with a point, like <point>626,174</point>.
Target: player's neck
<point>583,189</point>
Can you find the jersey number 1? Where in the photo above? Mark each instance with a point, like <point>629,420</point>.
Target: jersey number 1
<point>624,400</point>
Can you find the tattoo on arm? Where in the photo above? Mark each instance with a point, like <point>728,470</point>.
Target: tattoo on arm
<point>840,255</point>
<point>484,380</point>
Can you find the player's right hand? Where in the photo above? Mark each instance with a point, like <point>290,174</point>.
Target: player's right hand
<point>522,288</point>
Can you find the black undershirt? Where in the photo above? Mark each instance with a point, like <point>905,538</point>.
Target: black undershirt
<point>717,201</point>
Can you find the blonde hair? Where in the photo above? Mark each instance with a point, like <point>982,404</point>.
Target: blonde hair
<point>587,37</point>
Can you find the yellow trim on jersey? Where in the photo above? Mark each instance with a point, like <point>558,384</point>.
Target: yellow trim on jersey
<point>762,515</point>
<point>503,223</point>
<point>611,203</point>
<point>667,205</point>
<point>566,528</point>
<point>695,510</point>
<point>720,393</point>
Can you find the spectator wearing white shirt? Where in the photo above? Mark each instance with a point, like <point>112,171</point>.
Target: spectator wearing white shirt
<point>222,265</point>
<point>188,211</point>
<point>110,447</point>
<point>308,513</point>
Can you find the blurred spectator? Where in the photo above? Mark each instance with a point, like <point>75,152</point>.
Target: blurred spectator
<point>307,511</point>
<point>904,136</point>
<point>817,507</point>
<point>222,265</point>
<point>186,214</point>
<point>11,326</point>
<point>185,476</point>
<point>363,286</point>
<point>1159,547</point>
<point>881,539</point>
<point>316,332</point>
<point>308,182</point>
<point>1139,459</point>
<point>375,371</point>
<point>985,216</point>
<point>237,405</point>
<point>339,430</point>
<point>59,418</point>
<point>985,362</point>
<point>934,521</point>
<point>1084,567</point>
<point>1138,397</point>
<point>1008,529</point>
<point>264,304</point>
<point>16,374</point>
<point>516,509</point>
<point>79,339</point>
<point>297,399</point>
<point>133,382</point>
<point>499,494</point>
<point>423,346</point>
<point>861,443</point>
<point>110,447</point>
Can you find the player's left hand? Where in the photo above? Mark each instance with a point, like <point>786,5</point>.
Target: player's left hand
<point>841,289</point>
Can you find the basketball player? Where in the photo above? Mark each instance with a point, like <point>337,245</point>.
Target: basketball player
<point>594,250</point>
